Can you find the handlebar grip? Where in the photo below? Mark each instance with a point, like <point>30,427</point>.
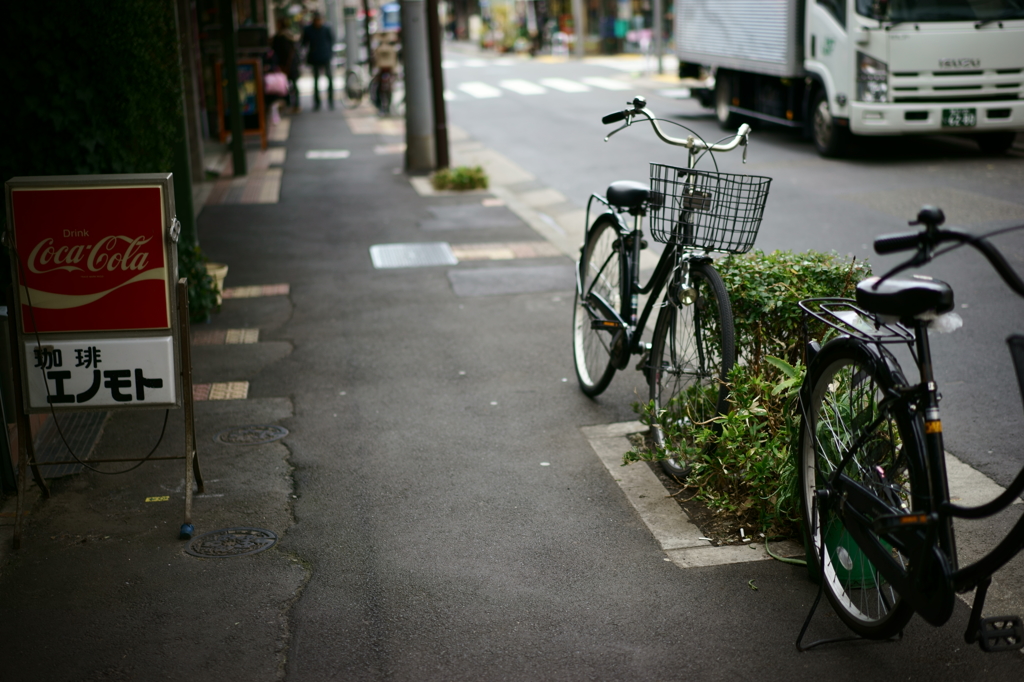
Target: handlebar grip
<point>613,117</point>
<point>904,241</point>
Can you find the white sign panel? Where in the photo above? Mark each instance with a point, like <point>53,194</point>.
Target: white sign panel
<point>101,372</point>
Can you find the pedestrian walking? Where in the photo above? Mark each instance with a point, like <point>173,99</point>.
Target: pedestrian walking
<point>286,59</point>
<point>319,40</point>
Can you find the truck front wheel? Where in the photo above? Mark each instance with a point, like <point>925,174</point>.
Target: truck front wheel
<point>831,139</point>
<point>995,143</point>
<point>724,84</point>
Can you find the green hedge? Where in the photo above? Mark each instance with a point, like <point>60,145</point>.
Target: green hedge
<point>91,87</point>
<point>746,469</point>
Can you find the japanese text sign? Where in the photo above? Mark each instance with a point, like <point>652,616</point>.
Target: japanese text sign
<point>94,262</point>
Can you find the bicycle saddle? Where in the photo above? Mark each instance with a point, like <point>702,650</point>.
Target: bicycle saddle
<point>627,193</point>
<point>905,298</point>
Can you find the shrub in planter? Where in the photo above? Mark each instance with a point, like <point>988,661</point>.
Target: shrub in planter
<point>202,293</point>
<point>460,178</point>
<point>745,467</point>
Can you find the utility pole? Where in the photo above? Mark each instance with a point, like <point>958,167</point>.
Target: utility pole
<point>579,25</point>
<point>229,39</point>
<point>351,43</point>
<point>659,21</point>
<point>419,124</point>
<point>437,80</point>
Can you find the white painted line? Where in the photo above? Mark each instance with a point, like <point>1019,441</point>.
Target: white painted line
<point>607,83</point>
<point>474,63</point>
<point>328,154</point>
<point>564,85</point>
<point>480,90</point>
<point>449,95</point>
<point>522,87</point>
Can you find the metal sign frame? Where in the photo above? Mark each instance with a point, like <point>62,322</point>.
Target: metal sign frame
<point>176,325</point>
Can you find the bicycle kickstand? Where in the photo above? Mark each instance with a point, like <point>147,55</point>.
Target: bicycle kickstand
<point>998,633</point>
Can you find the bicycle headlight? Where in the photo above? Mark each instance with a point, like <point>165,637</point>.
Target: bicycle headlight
<point>872,79</point>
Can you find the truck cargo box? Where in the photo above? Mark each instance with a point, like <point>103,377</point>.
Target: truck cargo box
<point>759,36</point>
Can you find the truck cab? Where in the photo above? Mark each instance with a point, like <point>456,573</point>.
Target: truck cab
<point>843,68</point>
<point>908,67</point>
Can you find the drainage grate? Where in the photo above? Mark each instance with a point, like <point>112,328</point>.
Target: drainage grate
<point>229,542</point>
<point>251,434</point>
<point>420,255</point>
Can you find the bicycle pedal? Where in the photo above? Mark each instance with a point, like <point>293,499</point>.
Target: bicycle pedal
<point>1001,633</point>
<point>606,325</point>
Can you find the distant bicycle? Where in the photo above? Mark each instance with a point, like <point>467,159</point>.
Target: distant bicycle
<point>386,92</point>
<point>353,90</point>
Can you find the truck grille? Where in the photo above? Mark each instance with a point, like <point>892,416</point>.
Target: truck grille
<point>993,85</point>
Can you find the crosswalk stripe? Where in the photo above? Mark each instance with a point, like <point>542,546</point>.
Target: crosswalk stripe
<point>564,85</point>
<point>522,87</point>
<point>606,83</point>
<point>480,90</point>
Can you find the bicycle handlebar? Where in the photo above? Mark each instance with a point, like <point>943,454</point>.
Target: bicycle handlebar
<point>925,241</point>
<point>639,108</point>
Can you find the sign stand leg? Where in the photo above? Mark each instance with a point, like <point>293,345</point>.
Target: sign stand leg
<point>193,475</point>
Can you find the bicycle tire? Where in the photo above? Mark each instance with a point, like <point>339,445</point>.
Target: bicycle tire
<point>846,381</point>
<point>692,352</point>
<point>352,90</point>
<point>602,270</point>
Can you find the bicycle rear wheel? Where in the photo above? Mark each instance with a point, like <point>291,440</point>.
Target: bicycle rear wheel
<point>692,352</point>
<point>352,91</point>
<point>602,277</point>
<point>847,382</point>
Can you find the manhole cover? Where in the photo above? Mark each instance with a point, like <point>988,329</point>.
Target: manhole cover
<point>253,434</point>
<point>230,542</point>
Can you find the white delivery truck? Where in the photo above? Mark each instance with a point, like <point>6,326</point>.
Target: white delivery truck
<point>841,68</point>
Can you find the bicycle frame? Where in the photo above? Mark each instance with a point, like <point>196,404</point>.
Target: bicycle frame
<point>672,259</point>
<point>925,534</point>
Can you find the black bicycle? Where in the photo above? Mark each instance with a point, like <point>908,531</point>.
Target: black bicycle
<point>872,475</point>
<point>695,213</point>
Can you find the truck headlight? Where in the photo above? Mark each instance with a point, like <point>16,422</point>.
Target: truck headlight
<point>872,79</point>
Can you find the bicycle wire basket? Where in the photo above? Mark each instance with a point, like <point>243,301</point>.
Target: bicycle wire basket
<point>706,209</point>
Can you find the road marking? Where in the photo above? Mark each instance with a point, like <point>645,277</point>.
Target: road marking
<point>219,337</point>
<point>607,83</point>
<point>505,250</point>
<point>328,154</point>
<point>224,390</point>
<point>480,90</point>
<point>258,291</point>
<point>522,87</point>
<point>564,85</point>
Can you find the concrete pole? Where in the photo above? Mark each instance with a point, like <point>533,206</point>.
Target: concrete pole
<point>419,119</point>
<point>579,27</point>
<point>437,82</point>
<point>351,42</point>
<point>229,40</point>
<point>659,21</point>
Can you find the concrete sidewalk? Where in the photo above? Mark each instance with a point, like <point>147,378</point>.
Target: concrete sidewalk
<point>438,513</point>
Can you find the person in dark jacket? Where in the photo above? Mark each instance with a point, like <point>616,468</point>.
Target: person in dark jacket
<point>320,41</point>
<point>286,59</point>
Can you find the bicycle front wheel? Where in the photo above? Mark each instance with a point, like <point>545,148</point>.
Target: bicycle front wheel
<point>846,384</point>
<point>692,352</point>
<point>352,92</point>
<point>601,276</point>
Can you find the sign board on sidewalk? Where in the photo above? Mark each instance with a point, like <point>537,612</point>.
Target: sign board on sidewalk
<point>95,262</point>
<point>250,97</point>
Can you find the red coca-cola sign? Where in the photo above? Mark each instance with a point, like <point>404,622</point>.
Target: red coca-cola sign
<point>91,259</point>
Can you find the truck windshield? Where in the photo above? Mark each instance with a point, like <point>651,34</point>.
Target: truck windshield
<point>943,10</point>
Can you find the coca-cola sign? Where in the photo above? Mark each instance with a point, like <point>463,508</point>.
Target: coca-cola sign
<point>91,259</point>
